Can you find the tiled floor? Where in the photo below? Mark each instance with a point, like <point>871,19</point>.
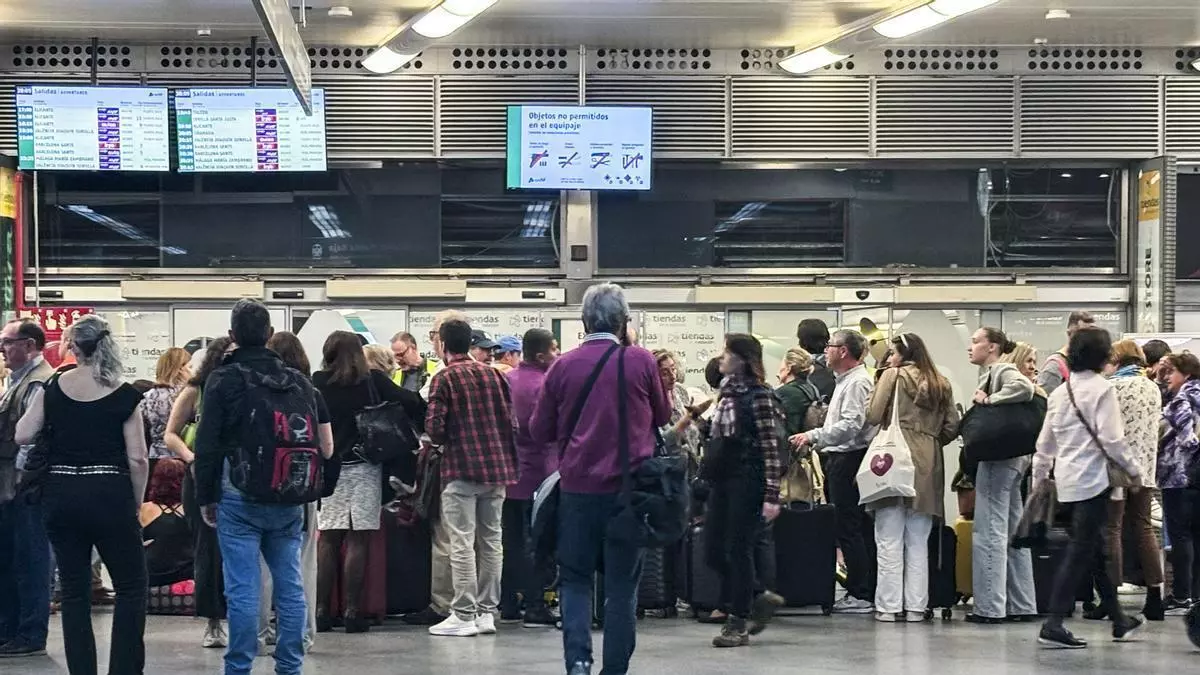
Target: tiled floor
<point>814,644</point>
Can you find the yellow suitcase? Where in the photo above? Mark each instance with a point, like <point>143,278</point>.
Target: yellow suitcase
<point>962,563</point>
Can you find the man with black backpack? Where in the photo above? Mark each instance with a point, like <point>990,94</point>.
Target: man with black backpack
<point>261,454</point>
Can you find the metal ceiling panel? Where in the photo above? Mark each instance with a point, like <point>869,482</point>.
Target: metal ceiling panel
<point>689,112</point>
<point>800,117</point>
<point>948,117</point>
<point>1183,117</point>
<point>1081,116</point>
<point>472,110</point>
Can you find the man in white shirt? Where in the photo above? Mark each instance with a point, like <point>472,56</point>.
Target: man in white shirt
<point>1082,434</point>
<point>843,441</point>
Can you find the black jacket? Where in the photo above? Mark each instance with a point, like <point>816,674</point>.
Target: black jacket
<point>220,416</point>
<point>822,378</point>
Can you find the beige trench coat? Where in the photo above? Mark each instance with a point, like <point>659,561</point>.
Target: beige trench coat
<point>926,428</point>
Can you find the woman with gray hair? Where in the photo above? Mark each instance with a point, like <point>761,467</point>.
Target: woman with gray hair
<point>681,434</point>
<point>95,447</point>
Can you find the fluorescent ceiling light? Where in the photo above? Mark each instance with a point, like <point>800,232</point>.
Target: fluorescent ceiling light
<point>912,21</point>
<point>439,22</point>
<point>385,60</point>
<point>469,7</point>
<point>1196,64</point>
<point>810,60</point>
<point>953,8</point>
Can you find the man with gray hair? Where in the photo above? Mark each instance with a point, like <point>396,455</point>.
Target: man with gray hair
<point>843,441</point>
<point>578,413</point>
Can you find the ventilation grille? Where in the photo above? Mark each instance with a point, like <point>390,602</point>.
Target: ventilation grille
<point>941,59</point>
<point>74,57</point>
<point>1086,59</point>
<point>511,60</point>
<point>1184,58</point>
<point>805,117</point>
<point>689,112</point>
<point>237,58</point>
<point>380,118</point>
<point>473,110</point>
<point>660,60</point>
<point>1080,116</point>
<point>1183,117</point>
<point>925,115</point>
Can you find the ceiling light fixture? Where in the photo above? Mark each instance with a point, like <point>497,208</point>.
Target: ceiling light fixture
<point>384,60</point>
<point>340,12</point>
<point>437,22</point>
<point>1066,175</point>
<point>1195,65</point>
<point>810,60</point>
<point>1053,14</point>
<point>953,8</point>
<point>1104,175</point>
<point>910,22</point>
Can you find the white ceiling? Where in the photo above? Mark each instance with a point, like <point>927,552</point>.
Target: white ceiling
<point>615,23</point>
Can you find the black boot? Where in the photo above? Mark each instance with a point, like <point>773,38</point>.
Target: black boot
<point>1154,610</point>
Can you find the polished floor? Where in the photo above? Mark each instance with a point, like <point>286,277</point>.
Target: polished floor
<point>853,645</point>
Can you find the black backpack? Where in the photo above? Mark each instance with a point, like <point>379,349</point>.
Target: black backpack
<point>278,460</point>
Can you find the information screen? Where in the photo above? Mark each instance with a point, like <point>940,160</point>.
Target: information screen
<point>579,148</point>
<point>67,128</point>
<point>249,130</point>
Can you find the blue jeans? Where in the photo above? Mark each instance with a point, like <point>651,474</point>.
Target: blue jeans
<point>583,550</point>
<point>24,574</point>
<point>247,530</point>
<point>1003,575</point>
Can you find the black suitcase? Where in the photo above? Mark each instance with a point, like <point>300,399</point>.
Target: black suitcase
<point>943,554</point>
<point>701,584</point>
<point>409,555</point>
<point>806,556</point>
<point>656,588</point>
<point>1046,562</point>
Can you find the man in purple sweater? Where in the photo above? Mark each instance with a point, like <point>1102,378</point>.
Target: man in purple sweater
<point>590,466</point>
<point>536,461</point>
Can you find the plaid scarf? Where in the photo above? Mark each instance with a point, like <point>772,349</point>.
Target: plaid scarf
<point>725,422</point>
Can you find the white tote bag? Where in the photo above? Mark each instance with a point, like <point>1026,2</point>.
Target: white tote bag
<point>888,469</point>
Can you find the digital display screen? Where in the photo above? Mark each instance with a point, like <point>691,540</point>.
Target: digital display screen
<point>578,148</point>
<point>73,128</point>
<point>256,129</point>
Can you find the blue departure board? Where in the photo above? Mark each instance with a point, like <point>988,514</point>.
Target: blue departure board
<point>74,128</point>
<point>255,129</point>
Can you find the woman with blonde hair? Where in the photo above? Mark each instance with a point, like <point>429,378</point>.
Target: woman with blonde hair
<point>380,358</point>
<point>796,394</point>
<point>1024,357</point>
<point>171,375</point>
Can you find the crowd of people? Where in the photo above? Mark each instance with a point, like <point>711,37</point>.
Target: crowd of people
<point>260,484</point>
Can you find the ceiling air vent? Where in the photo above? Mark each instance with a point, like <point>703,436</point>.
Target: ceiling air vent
<point>1085,59</point>
<point>929,60</point>
<point>657,60</point>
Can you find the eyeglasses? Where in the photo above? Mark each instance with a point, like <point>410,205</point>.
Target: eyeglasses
<point>834,346</point>
<point>4,342</point>
<point>433,335</point>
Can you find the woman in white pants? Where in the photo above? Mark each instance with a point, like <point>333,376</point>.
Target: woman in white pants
<point>1002,576</point>
<point>924,408</point>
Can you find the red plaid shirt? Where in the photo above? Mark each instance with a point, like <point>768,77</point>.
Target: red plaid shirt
<point>470,416</point>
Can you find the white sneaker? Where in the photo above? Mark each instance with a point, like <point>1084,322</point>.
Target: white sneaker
<point>486,623</point>
<point>914,617</point>
<point>455,627</point>
<point>852,605</point>
<point>883,617</point>
<point>214,636</point>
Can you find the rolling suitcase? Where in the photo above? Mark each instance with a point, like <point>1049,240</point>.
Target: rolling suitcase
<point>656,588</point>
<point>806,556</point>
<point>1046,562</point>
<point>943,568</point>
<point>963,579</point>
<point>409,551</point>
<point>373,600</point>
<point>701,585</point>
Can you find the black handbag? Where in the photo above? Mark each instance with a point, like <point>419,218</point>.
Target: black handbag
<point>385,433</point>
<point>655,499</point>
<point>994,432</point>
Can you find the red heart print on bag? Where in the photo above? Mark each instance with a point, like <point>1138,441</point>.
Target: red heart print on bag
<point>880,464</point>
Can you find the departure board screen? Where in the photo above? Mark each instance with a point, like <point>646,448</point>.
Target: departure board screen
<point>252,130</point>
<point>72,128</point>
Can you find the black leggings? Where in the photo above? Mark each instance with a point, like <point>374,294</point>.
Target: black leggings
<point>210,581</point>
<point>98,511</point>
<point>1181,510</point>
<point>732,527</point>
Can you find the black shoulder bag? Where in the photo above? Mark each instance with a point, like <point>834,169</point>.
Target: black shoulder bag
<point>994,432</point>
<point>654,500</point>
<point>385,433</point>
<point>544,516</point>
